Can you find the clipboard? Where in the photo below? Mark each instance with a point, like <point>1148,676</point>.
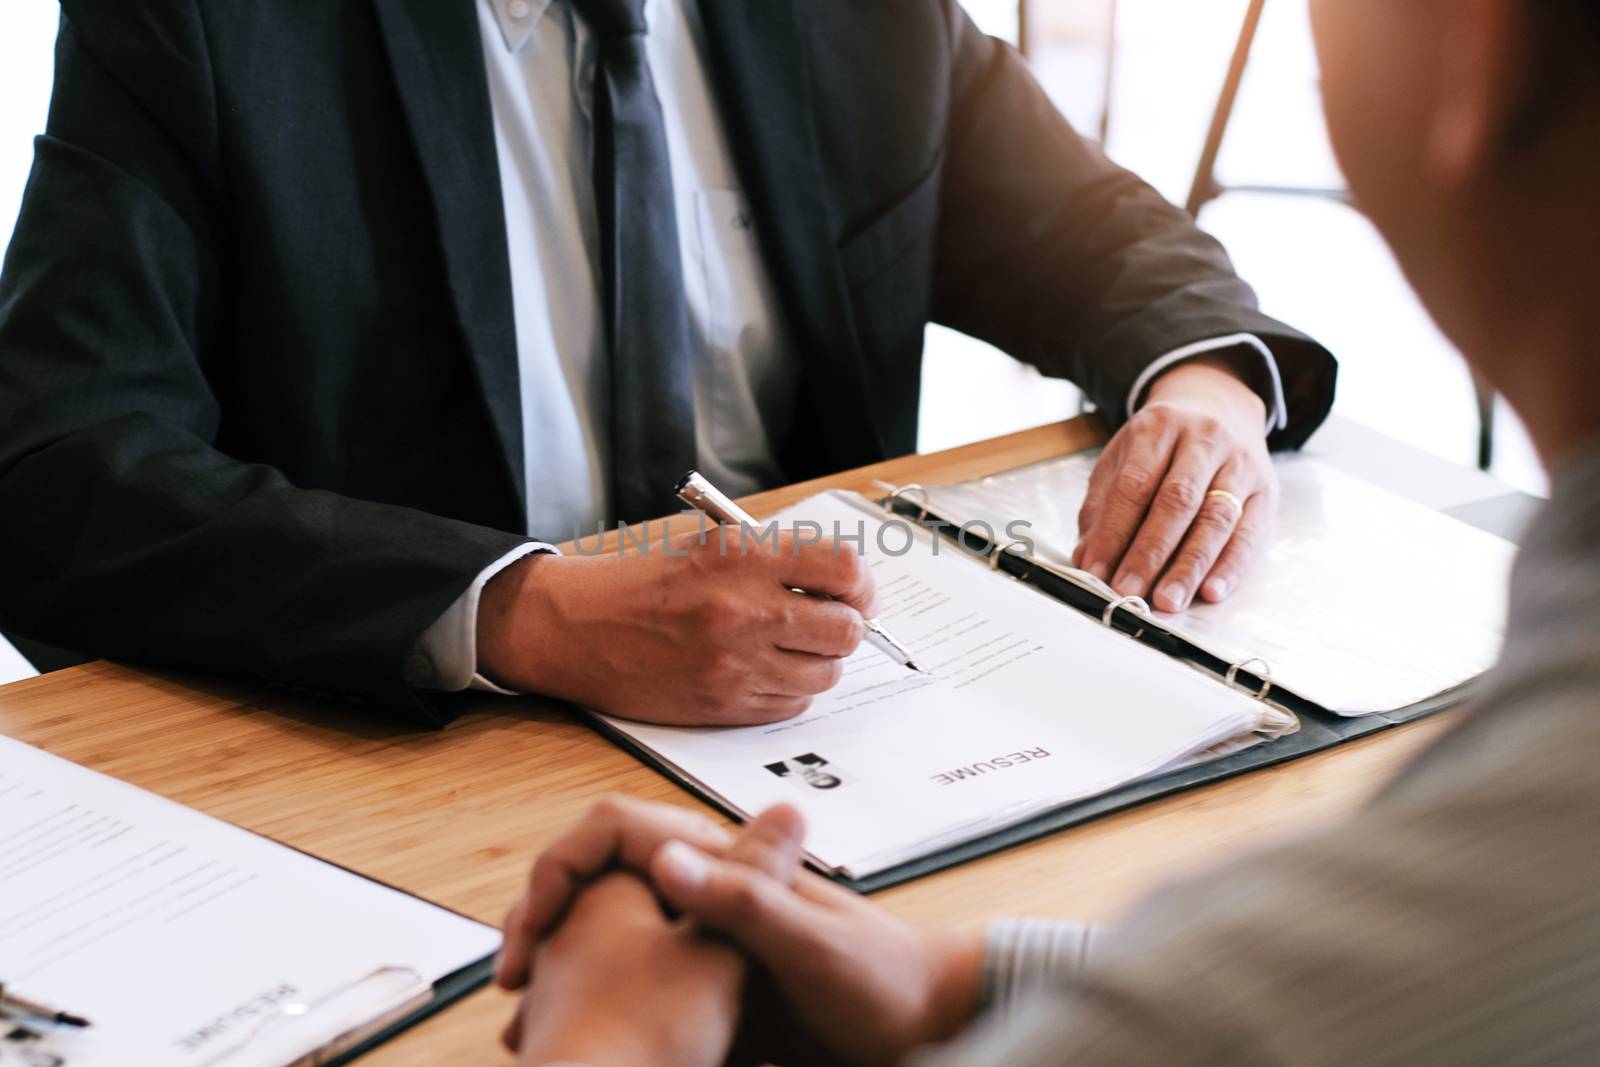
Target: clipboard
<point>377,1008</point>
<point>217,946</point>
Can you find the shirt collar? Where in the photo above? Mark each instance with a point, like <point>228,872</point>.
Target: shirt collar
<point>518,19</point>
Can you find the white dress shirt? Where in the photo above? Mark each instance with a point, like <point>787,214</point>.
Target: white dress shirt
<point>540,60</point>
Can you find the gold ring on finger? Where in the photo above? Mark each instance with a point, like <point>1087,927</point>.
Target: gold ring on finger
<point>1228,498</point>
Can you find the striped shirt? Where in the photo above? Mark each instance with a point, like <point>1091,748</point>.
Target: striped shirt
<point>1454,920</point>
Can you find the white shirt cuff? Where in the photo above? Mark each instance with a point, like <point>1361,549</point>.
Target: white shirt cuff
<point>446,656</point>
<point>1277,409</point>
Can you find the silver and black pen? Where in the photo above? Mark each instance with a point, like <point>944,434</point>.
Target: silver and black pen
<point>14,1005</point>
<point>697,491</point>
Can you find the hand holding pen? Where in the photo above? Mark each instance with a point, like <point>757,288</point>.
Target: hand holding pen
<point>677,630</point>
<point>697,491</point>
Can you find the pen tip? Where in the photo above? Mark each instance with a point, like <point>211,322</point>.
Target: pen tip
<point>71,1020</point>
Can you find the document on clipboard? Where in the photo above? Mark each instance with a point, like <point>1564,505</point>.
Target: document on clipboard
<point>190,942</point>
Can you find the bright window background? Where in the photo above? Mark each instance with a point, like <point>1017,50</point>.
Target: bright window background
<point>1316,264</point>
<point>27,40</point>
<point>27,32</point>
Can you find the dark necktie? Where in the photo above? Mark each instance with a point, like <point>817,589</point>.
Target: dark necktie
<point>647,317</point>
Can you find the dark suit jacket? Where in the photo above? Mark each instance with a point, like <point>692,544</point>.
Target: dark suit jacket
<point>258,381</point>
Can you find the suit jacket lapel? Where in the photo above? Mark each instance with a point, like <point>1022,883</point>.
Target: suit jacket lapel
<point>437,57</point>
<point>758,63</point>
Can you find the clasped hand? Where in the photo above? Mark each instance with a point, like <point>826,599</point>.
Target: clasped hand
<point>632,942</point>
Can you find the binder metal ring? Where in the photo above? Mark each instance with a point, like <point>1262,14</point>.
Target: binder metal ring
<point>922,511</point>
<point>1264,671</point>
<point>1134,604</point>
<point>994,557</point>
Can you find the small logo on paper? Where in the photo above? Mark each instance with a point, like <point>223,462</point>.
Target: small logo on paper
<point>809,769</point>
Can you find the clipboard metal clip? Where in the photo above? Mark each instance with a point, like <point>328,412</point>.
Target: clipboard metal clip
<point>309,1032</point>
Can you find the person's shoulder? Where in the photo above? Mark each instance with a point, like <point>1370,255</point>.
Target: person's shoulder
<point>155,52</point>
<point>175,28</point>
<point>131,15</point>
<point>136,32</point>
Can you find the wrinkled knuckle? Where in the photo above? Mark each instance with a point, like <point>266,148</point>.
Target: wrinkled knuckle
<point>845,567</point>
<point>1214,520</point>
<point>724,615</point>
<point>1210,430</point>
<point>1133,485</point>
<point>1181,495</point>
<point>838,632</point>
<point>1155,415</point>
<point>1146,561</point>
<point>1189,563</point>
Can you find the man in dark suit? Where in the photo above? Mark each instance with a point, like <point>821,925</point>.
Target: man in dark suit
<point>315,312</point>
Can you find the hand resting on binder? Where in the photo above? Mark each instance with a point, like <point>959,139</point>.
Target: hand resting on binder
<point>1184,495</point>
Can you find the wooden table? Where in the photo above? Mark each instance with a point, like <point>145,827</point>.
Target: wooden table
<point>455,815</point>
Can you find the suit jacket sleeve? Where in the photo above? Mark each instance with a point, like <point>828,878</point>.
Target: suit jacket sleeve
<point>126,532</point>
<point>1053,253</point>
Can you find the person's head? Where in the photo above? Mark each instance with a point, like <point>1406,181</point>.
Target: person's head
<point>1469,131</point>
